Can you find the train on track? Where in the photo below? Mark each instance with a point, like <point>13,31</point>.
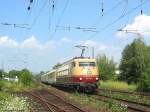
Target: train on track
<point>80,73</point>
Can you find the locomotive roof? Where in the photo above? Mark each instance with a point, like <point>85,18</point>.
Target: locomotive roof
<point>75,58</point>
<point>53,70</point>
<point>78,58</point>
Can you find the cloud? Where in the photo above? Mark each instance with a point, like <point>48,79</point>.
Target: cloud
<point>29,43</point>
<point>141,24</point>
<point>8,42</point>
<point>110,49</point>
<point>99,46</point>
<point>67,40</point>
<point>30,53</point>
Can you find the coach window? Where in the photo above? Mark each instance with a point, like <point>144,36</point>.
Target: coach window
<point>73,64</point>
<point>83,64</point>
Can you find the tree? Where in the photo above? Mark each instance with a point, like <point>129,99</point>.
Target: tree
<point>26,77</point>
<point>106,67</point>
<point>1,74</point>
<point>57,65</point>
<point>144,83</point>
<point>14,73</point>
<point>134,61</point>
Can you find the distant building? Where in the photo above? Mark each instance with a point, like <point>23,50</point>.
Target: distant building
<point>11,79</point>
<point>117,72</point>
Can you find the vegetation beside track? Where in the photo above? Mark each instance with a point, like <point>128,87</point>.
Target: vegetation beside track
<point>124,96</point>
<point>97,105</point>
<point>8,102</point>
<point>134,67</point>
<point>7,86</point>
<point>117,85</point>
<point>26,82</point>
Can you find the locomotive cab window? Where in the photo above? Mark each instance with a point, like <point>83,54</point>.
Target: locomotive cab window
<point>84,64</point>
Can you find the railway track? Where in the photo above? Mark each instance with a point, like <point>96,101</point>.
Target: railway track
<point>131,105</point>
<point>49,102</point>
<point>144,94</point>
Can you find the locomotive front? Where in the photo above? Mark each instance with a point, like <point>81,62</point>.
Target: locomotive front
<point>85,74</point>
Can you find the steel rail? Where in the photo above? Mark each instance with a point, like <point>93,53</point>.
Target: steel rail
<point>76,107</point>
<point>38,95</point>
<point>127,92</point>
<point>46,102</point>
<point>125,102</point>
<point>40,99</point>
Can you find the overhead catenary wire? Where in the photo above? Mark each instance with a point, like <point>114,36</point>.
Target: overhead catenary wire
<point>120,17</point>
<point>60,18</point>
<point>141,7</point>
<point>29,12</point>
<point>30,2</point>
<point>84,29</point>
<point>102,7</point>
<point>38,15</point>
<point>15,25</point>
<point>107,12</point>
<point>92,29</point>
<point>49,22</point>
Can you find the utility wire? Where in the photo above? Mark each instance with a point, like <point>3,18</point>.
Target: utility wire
<point>141,7</point>
<point>59,20</point>
<point>102,8</point>
<point>30,2</point>
<point>122,16</point>
<point>49,23</point>
<point>38,15</point>
<point>16,25</point>
<point>84,29</point>
<point>64,9</point>
<point>107,12</point>
<point>113,8</point>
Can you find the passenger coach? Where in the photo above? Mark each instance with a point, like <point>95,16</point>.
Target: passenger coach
<point>79,73</point>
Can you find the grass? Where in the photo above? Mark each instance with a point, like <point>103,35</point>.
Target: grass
<point>97,105</point>
<point>8,103</point>
<point>7,86</point>
<point>117,85</point>
<point>135,98</point>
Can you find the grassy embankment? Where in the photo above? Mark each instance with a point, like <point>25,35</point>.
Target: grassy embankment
<point>117,85</point>
<point>99,106</point>
<point>9,102</point>
<point>6,86</point>
<point>123,86</point>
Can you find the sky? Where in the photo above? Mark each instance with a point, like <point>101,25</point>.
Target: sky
<point>47,33</point>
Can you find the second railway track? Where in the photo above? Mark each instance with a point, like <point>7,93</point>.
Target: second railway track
<point>144,94</point>
<point>139,107</point>
<point>51,102</point>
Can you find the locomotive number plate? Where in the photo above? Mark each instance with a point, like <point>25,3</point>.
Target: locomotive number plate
<point>89,72</point>
<point>89,78</point>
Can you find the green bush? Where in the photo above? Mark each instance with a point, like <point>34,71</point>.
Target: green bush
<point>26,77</point>
<point>144,84</point>
<point>4,96</point>
<point>1,85</point>
<point>106,67</point>
<point>118,85</point>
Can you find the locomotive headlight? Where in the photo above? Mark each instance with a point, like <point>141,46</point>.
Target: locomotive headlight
<point>80,78</point>
<point>96,78</point>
